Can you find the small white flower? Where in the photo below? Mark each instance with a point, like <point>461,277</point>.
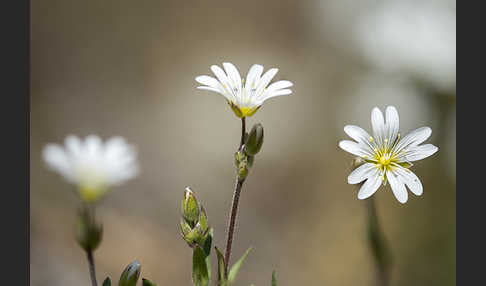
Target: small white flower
<point>387,155</point>
<point>92,165</point>
<point>244,97</point>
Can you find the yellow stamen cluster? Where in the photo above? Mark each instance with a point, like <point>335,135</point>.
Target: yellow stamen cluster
<point>384,155</point>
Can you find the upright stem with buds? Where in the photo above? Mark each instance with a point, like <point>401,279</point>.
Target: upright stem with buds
<point>234,207</point>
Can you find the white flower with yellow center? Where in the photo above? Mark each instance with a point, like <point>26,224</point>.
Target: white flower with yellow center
<point>387,155</point>
<point>244,96</point>
<point>92,165</point>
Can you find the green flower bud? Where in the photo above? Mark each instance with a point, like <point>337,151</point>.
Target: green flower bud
<point>239,157</point>
<point>130,275</point>
<point>203,220</point>
<point>358,161</point>
<point>194,229</point>
<point>190,206</point>
<point>254,141</point>
<point>243,170</point>
<point>88,232</point>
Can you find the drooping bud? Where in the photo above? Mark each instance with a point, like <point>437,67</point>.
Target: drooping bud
<point>358,161</point>
<point>190,207</point>
<point>88,232</point>
<point>194,229</point>
<point>254,141</point>
<point>130,275</point>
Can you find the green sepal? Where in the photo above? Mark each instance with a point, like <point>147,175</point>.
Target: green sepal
<point>146,282</point>
<point>199,269</point>
<point>107,282</point>
<point>274,279</point>
<point>88,232</point>
<point>250,160</point>
<point>190,206</point>
<point>236,267</point>
<point>207,251</point>
<point>222,278</point>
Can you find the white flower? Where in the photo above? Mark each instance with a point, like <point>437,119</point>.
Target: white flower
<point>244,97</point>
<point>387,155</point>
<point>92,165</point>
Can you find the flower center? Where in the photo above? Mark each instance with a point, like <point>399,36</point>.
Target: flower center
<point>385,159</point>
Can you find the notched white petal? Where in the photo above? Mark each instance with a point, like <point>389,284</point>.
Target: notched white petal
<point>420,152</point>
<point>361,173</point>
<point>411,180</point>
<point>398,187</point>
<point>378,124</point>
<point>414,138</point>
<point>358,133</point>
<point>370,186</point>
<point>354,148</point>
<point>392,123</point>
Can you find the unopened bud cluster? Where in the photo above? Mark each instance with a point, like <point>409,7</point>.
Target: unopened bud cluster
<point>246,155</point>
<point>194,221</point>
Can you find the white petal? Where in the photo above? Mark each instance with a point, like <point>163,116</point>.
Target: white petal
<point>209,81</point>
<point>397,187</point>
<point>411,180</point>
<point>224,93</point>
<point>414,138</point>
<point>370,186</point>
<point>355,148</point>
<point>93,145</point>
<point>265,80</point>
<point>361,173</point>
<point>56,159</point>
<point>277,85</point>
<point>227,84</point>
<point>210,89</point>
<point>357,133</point>
<point>275,94</point>
<point>392,123</point>
<point>73,145</point>
<point>253,77</point>
<point>416,153</point>
<point>233,74</point>
<point>378,124</point>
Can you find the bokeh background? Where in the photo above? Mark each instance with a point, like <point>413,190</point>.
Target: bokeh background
<point>128,67</point>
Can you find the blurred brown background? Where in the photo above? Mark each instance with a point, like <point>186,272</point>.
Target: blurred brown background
<point>127,68</point>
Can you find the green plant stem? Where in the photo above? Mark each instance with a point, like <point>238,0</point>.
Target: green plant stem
<point>234,207</point>
<point>378,245</point>
<point>91,268</point>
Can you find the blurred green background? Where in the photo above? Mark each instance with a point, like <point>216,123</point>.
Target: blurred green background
<point>128,67</point>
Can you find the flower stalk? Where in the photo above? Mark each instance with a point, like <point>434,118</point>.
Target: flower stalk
<point>378,245</point>
<point>234,206</point>
<point>92,271</point>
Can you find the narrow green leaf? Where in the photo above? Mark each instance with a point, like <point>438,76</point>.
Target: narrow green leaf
<point>107,282</point>
<point>199,269</point>
<point>146,282</point>
<point>207,251</point>
<point>274,279</point>
<point>222,279</point>
<point>236,267</point>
